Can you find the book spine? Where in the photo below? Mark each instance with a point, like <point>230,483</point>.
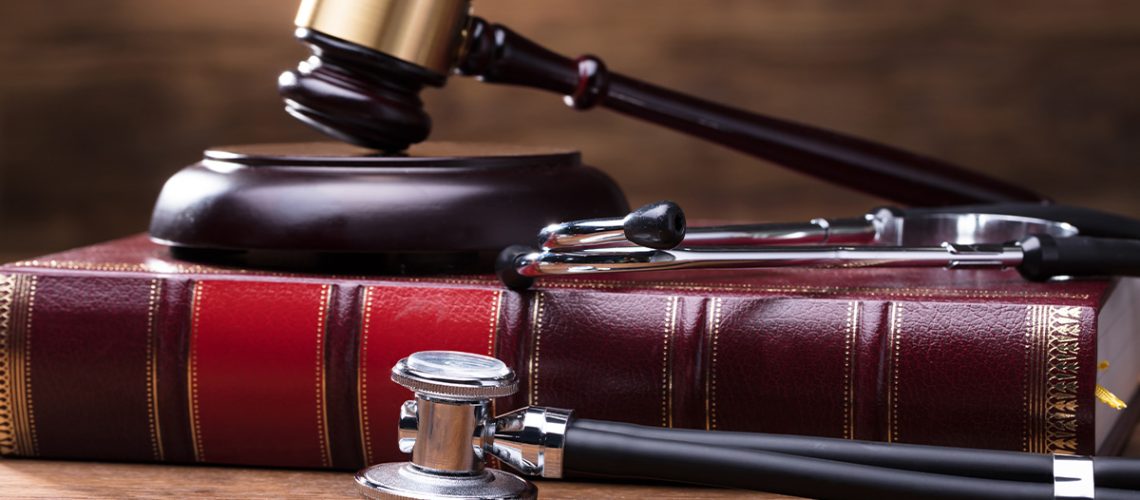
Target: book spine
<point>982,374</point>
<point>295,372</point>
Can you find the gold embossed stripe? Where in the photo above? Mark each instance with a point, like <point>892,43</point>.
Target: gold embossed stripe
<point>154,426</point>
<point>713,333</point>
<point>320,384</point>
<point>536,347</point>
<point>17,413</point>
<point>671,304</point>
<point>894,330</point>
<point>1036,322</point>
<point>1051,387</point>
<point>7,425</point>
<point>851,331</point>
<point>362,381</point>
<point>192,371</point>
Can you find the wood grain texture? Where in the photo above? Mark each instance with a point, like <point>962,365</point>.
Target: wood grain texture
<point>57,479</point>
<point>100,101</point>
<point>21,478</point>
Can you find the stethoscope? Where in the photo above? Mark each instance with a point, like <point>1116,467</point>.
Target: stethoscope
<point>1040,241</point>
<point>451,432</point>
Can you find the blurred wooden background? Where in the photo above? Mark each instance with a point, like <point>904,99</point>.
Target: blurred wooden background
<point>101,100</point>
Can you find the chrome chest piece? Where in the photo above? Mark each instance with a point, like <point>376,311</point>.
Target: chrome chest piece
<point>449,430</point>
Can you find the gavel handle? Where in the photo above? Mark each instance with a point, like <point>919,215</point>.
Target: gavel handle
<point>496,54</point>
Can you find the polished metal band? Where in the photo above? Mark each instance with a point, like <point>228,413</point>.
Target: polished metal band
<point>455,391</point>
<point>532,440</point>
<point>1073,477</point>
<point>431,374</point>
<point>426,33</point>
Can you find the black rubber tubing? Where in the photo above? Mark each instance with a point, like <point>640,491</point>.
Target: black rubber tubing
<point>599,452</point>
<point>607,453</point>
<point>1110,472</point>
<point>1117,472</point>
<point>1046,257</point>
<point>956,461</point>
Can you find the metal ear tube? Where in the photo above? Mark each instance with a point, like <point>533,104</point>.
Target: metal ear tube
<point>654,238</point>
<point>661,225</point>
<point>449,431</point>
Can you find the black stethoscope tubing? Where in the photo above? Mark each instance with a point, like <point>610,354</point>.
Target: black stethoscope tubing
<point>823,467</point>
<point>1115,472</point>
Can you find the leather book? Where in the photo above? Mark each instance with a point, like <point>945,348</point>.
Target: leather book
<point>119,352</point>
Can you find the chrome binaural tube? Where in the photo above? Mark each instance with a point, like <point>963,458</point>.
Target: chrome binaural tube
<point>587,233</point>
<point>656,238</point>
<point>610,233</point>
<point>849,231</point>
<point>655,225</point>
<point>621,259</point>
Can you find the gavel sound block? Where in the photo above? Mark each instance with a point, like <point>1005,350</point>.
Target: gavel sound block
<point>439,207</point>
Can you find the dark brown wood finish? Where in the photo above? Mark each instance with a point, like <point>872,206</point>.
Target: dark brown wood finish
<point>442,207</point>
<point>337,97</point>
<point>41,479</point>
<point>358,96</point>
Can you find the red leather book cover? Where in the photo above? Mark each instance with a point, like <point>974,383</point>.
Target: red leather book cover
<point>118,352</point>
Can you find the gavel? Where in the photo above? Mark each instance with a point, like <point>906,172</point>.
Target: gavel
<point>371,58</point>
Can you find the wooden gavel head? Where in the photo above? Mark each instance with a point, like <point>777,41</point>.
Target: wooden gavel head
<point>370,60</point>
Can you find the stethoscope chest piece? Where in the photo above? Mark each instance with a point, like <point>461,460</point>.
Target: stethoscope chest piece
<point>447,429</point>
<point>405,480</point>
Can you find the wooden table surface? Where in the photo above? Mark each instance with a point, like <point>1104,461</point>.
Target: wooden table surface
<point>20,478</point>
<point>60,479</point>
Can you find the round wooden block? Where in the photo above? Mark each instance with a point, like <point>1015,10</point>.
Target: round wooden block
<point>439,207</point>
